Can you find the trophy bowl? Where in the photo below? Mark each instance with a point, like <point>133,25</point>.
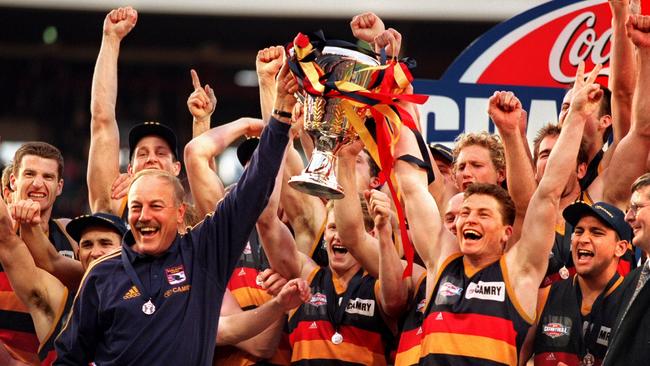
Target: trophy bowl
<point>326,123</point>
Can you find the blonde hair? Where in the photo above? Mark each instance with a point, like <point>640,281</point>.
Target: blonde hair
<point>491,142</point>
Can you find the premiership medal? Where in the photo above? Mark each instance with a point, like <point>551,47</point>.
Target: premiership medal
<point>588,360</point>
<point>148,307</point>
<point>564,273</point>
<point>337,338</point>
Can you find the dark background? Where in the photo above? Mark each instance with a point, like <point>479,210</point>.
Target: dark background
<point>45,88</point>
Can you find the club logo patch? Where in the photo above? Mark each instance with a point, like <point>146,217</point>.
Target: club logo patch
<point>318,299</point>
<point>603,335</point>
<point>421,305</point>
<point>449,289</point>
<point>555,330</point>
<point>493,291</point>
<point>175,275</point>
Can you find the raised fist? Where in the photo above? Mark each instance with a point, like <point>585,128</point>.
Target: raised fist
<point>366,26</point>
<point>26,212</point>
<point>391,39</point>
<point>120,21</point>
<point>268,62</point>
<point>638,29</point>
<point>505,110</point>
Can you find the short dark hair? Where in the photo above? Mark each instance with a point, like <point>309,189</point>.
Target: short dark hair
<point>506,205</point>
<point>374,168</point>
<point>606,110</point>
<point>40,149</point>
<point>552,129</point>
<point>6,172</point>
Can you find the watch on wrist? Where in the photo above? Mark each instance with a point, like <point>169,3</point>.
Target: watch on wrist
<point>282,113</point>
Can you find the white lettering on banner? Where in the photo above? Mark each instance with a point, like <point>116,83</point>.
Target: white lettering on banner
<point>361,307</point>
<point>495,291</point>
<point>447,115</point>
<point>586,44</point>
<point>476,112</point>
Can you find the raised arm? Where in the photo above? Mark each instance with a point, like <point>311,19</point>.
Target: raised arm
<point>527,260</point>
<point>279,244</point>
<point>103,157</point>
<point>267,64</point>
<point>37,289</point>
<point>44,255</point>
<point>306,213</point>
<point>622,68</point>
<point>394,291</point>
<point>248,330</point>
<point>433,244</point>
<point>506,111</point>
<point>367,26</point>
<point>205,185</point>
<point>627,163</point>
<point>348,213</point>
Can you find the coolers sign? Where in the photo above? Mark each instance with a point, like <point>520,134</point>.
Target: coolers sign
<point>535,54</point>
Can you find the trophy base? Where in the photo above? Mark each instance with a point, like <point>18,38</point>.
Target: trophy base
<point>308,184</point>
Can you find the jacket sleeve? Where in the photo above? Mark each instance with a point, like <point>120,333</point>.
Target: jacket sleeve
<point>221,238</point>
<point>76,343</point>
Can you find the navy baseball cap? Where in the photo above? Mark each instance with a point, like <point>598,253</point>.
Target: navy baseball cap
<point>609,214</point>
<point>441,151</point>
<point>152,129</point>
<point>245,150</point>
<point>76,226</point>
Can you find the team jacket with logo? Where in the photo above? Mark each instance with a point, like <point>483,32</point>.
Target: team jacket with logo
<point>365,334</point>
<point>473,320</point>
<point>408,350</point>
<point>17,334</point>
<point>249,295</point>
<point>559,336</point>
<point>111,322</point>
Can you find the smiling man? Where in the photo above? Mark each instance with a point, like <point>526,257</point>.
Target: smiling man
<point>578,314</point>
<point>158,299</point>
<point>36,175</point>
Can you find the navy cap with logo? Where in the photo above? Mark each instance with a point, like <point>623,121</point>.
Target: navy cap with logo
<point>245,150</point>
<point>440,151</point>
<point>609,214</point>
<point>80,223</point>
<point>152,129</point>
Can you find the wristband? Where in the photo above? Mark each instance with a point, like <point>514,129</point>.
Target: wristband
<point>282,113</point>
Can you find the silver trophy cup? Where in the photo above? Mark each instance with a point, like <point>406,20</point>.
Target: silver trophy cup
<point>326,123</point>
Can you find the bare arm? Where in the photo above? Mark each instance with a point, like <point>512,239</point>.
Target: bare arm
<point>267,64</point>
<point>247,329</point>
<point>525,260</point>
<point>622,66</point>
<point>394,290</point>
<point>433,244</point>
<point>279,245</point>
<point>348,214</point>
<point>506,111</point>
<point>67,270</point>
<point>626,165</point>
<point>103,157</point>
<point>37,289</point>
<point>205,185</point>
<point>306,213</point>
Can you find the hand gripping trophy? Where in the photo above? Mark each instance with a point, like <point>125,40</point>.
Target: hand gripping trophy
<point>325,118</point>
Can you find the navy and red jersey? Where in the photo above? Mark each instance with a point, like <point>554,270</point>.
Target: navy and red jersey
<point>473,318</point>
<point>365,335</point>
<point>408,349</point>
<point>17,333</point>
<point>569,332</point>
<point>113,320</point>
<point>249,295</point>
